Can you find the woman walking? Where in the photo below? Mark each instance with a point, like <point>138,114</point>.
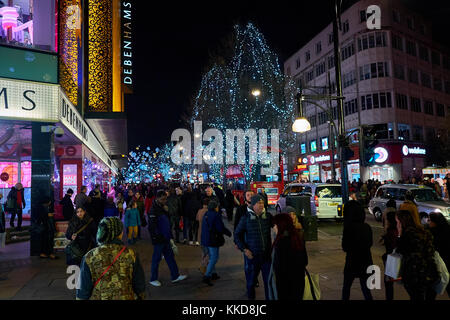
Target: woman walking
<point>82,230</point>
<point>289,260</point>
<point>356,242</point>
<point>418,269</point>
<point>389,239</point>
<point>111,271</point>
<point>213,230</point>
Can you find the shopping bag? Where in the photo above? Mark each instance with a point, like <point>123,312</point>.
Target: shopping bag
<point>312,288</point>
<point>181,225</point>
<point>393,265</point>
<point>442,283</point>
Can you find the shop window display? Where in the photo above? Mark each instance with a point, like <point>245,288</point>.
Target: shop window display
<point>28,23</point>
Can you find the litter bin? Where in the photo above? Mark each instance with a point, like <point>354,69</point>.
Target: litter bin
<point>302,207</point>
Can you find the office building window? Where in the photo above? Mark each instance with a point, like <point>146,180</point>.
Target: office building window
<point>313,146</point>
<point>307,56</point>
<point>330,38</point>
<point>374,70</point>
<point>428,107</point>
<point>330,62</point>
<point>320,68</point>
<point>423,53</point>
<point>372,40</point>
<point>323,118</point>
<point>437,84</point>
<point>417,133</point>
<point>350,107</point>
<point>401,101</point>
<point>385,100</point>
<point>297,63</point>
<point>362,16</point>
<point>397,42</point>
<point>348,51</point>
<point>435,58</point>
<point>440,110</point>
<point>310,75</point>
<point>399,72</point>
<point>413,76</point>
<point>349,78</point>
<point>403,131</point>
<point>318,47</point>
<point>312,121</point>
<point>415,105</point>
<point>425,79</point>
<point>366,102</point>
<point>345,27</point>
<point>411,48</point>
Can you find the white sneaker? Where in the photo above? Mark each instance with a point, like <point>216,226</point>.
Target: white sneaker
<point>155,283</point>
<point>191,243</point>
<point>180,278</point>
<point>197,243</point>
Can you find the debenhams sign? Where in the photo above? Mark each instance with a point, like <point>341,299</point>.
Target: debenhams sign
<point>23,100</point>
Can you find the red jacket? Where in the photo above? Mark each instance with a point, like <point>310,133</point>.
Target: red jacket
<point>148,203</point>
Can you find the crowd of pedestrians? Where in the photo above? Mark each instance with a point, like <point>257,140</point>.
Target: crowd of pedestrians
<point>272,246</point>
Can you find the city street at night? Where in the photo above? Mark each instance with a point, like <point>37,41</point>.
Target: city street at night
<point>225,159</point>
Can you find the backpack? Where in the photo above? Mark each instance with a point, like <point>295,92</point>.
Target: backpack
<point>10,203</point>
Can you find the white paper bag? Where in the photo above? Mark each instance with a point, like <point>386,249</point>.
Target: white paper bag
<point>393,264</point>
<point>443,273</point>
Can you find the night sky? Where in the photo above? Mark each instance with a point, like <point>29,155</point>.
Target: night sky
<point>173,41</point>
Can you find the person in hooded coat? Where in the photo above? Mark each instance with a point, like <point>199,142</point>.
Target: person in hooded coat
<point>356,243</point>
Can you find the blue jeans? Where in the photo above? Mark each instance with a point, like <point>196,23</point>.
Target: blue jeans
<point>254,267</point>
<point>213,258</point>
<point>166,250</point>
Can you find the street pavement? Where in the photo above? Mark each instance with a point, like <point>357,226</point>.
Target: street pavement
<point>30,278</point>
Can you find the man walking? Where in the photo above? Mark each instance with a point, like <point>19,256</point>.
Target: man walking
<point>253,237</point>
<point>16,203</point>
<point>159,227</point>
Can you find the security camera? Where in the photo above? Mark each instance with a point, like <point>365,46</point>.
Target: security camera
<point>59,132</point>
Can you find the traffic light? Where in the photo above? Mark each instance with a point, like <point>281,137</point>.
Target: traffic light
<point>368,141</point>
<point>347,152</point>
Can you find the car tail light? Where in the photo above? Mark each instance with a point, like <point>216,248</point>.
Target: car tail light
<point>316,200</point>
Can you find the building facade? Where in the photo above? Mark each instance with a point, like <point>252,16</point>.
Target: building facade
<point>65,68</point>
<point>395,78</point>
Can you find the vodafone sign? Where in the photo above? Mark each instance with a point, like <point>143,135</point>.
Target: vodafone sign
<point>416,150</point>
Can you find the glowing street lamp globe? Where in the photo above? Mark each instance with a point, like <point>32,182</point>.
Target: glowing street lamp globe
<point>301,125</point>
<point>256,92</point>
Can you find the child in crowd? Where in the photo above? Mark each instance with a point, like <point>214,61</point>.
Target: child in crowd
<point>132,222</point>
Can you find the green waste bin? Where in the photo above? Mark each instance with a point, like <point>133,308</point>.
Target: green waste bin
<point>302,207</point>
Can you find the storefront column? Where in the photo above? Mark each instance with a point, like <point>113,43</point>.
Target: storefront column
<point>42,155</point>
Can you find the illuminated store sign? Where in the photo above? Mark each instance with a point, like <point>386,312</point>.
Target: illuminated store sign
<point>127,44</point>
<point>28,100</point>
<point>320,159</point>
<point>382,155</point>
<point>416,150</point>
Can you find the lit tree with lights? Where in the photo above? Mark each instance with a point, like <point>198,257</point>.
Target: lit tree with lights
<point>248,92</point>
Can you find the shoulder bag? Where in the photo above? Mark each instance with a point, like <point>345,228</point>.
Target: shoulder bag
<point>312,288</point>
<point>443,281</point>
<point>73,251</point>
<point>393,265</point>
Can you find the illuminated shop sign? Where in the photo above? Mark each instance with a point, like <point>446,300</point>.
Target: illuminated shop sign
<point>72,118</point>
<point>416,150</point>
<point>320,159</point>
<point>127,44</point>
<point>28,100</point>
<point>382,155</point>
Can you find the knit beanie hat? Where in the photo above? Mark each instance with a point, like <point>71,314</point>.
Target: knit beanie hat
<point>255,199</point>
<point>109,229</point>
<point>290,209</point>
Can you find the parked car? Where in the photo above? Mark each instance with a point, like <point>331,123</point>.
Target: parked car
<point>426,198</point>
<point>325,198</point>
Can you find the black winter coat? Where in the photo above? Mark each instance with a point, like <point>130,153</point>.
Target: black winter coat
<point>357,240</point>
<point>68,209</point>
<point>190,205</point>
<point>289,268</point>
<point>441,242</point>
<point>87,238</point>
